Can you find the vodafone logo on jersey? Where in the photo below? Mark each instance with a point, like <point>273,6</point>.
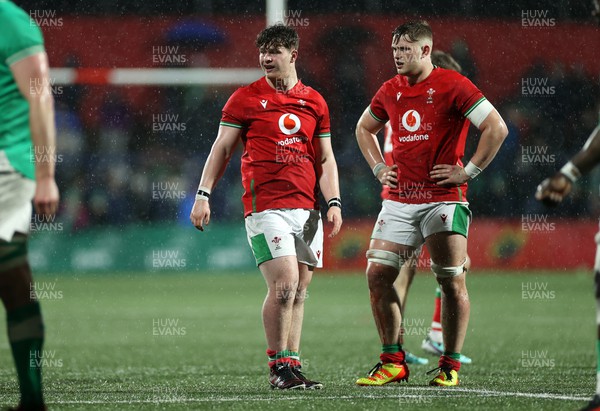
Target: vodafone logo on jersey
<point>411,120</point>
<point>289,124</point>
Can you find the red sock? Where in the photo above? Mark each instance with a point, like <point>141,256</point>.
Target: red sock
<point>447,362</point>
<point>437,310</point>
<point>396,358</point>
<point>436,323</point>
<point>272,356</point>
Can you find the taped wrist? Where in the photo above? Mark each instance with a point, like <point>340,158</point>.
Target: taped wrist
<point>472,170</point>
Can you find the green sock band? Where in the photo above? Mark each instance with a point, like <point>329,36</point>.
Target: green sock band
<point>438,293</point>
<point>295,355</point>
<point>282,354</point>
<point>453,355</point>
<point>26,336</point>
<point>391,348</point>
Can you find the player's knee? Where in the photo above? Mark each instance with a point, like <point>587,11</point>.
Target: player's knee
<point>467,264</point>
<point>285,293</point>
<point>13,253</point>
<point>300,296</point>
<point>442,271</point>
<point>304,282</point>
<point>387,258</point>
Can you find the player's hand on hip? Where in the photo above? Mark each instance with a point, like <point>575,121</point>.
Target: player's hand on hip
<point>334,215</point>
<point>388,176</point>
<point>45,199</point>
<point>200,215</point>
<point>553,190</point>
<point>448,174</point>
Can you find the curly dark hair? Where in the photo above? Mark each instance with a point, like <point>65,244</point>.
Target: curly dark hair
<point>278,35</point>
<point>414,31</point>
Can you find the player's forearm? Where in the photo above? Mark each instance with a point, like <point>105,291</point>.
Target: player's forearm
<point>492,137</point>
<point>215,166</point>
<point>43,133</point>
<point>369,146</point>
<point>329,179</point>
<point>220,154</point>
<point>589,156</point>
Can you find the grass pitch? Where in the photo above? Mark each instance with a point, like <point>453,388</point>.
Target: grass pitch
<point>175,341</point>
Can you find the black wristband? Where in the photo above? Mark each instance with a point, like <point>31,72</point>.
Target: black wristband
<point>334,202</point>
<point>203,193</point>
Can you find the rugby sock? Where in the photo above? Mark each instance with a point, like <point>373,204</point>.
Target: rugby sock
<point>295,358</point>
<point>391,348</point>
<point>391,353</point>
<point>436,324</point>
<point>598,367</point>
<point>450,360</point>
<point>283,357</point>
<point>272,357</point>
<point>14,253</point>
<point>26,336</point>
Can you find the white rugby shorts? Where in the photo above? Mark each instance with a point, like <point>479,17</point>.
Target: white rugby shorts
<point>284,232</point>
<point>16,193</point>
<point>410,224</point>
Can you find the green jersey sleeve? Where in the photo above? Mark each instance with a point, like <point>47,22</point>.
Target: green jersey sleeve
<point>21,37</point>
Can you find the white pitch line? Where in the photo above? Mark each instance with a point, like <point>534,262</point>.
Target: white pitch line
<point>448,393</point>
<point>503,393</point>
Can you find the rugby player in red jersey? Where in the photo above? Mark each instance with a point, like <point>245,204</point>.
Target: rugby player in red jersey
<point>433,342</point>
<point>430,109</point>
<point>287,160</point>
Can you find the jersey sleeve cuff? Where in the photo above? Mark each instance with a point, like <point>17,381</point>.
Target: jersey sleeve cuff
<point>20,55</point>
<point>228,124</point>
<point>375,117</point>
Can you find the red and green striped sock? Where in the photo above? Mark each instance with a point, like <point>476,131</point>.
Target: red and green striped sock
<point>272,357</point>
<point>295,358</point>
<point>392,353</point>
<point>283,357</point>
<point>450,360</point>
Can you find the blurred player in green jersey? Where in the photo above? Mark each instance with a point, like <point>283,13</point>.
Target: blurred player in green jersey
<point>27,160</point>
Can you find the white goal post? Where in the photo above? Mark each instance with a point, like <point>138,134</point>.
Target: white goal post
<point>155,76</point>
<point>275,9</point>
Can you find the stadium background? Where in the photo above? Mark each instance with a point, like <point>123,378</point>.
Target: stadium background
<point>142,311</point>
<point>130,155</point>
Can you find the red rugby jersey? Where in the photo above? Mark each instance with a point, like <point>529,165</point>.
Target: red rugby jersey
<point>429,122</point>
<point>278,132</point>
